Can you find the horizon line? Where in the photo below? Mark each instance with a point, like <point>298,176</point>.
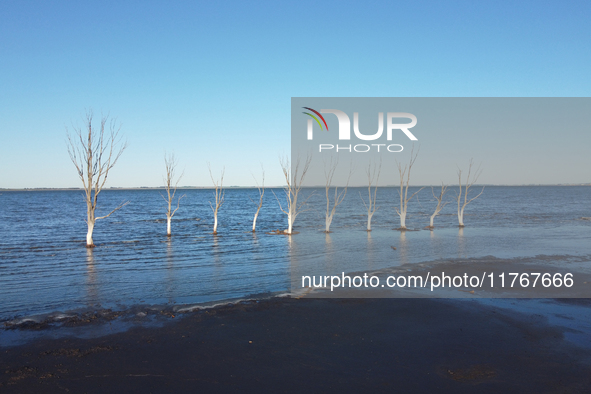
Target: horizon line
<point>280,187</point>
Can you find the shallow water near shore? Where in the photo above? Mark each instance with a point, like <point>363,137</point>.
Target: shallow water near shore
<point>45,268</point>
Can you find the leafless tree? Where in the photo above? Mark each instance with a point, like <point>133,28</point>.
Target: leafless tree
<point>171,185</point>
<point>219,197</point>
<point>371,204</point>
<point>440,203</point>
<point>294,182</point>
<point>94,152</point>
<point>469,183</point>
<point>259,204</point>
<point>403,192</point>
<point>338,196</point>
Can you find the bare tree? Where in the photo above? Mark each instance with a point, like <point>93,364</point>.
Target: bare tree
<point>219,197</point>
<point>171,186</point>
<point>469,183</point>
<point>403,192</point>
<point>371,205</point>
<point>440,203</point>
<point>338,197</point>
<point>94,153</point>
<point>259,204</point>
<point>294,182</point>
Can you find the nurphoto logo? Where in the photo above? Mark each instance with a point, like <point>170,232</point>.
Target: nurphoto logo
<point>345,130</point>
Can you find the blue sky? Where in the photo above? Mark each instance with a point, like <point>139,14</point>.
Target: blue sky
<point>212,81</point>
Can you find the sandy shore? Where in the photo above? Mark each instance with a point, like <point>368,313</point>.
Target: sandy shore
<point>312,345</point>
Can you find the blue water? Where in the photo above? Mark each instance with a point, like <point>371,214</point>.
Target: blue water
<point>44,266</point>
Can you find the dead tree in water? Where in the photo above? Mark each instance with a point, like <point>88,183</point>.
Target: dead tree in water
<point>469,183</point>
<point>371,205</point>
<point>94,153</point>
<point>338,197</point>
<point>403,192</point>
<point>219,198</point>
<point>170,186</point>
<point>294,182</point>
<point>440,204</point>
<point>259,204</point>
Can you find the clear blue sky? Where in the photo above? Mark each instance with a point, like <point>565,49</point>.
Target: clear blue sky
<point>212,81</point>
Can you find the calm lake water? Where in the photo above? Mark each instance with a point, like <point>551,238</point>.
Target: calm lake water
<point>44,266</point>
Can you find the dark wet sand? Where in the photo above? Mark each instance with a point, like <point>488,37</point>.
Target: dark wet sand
<point>312,346</point>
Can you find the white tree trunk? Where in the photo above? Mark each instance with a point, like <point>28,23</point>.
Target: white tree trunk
<point>171,188</point>
<point>89,243</point>
<point>403,220</point>
<point>431,220</point>
<point>219,198</point>
<point>289,223</point>
<point>254,222</point>
<point>369,222</point>
<point>469,183</point>
<point>328,222</point>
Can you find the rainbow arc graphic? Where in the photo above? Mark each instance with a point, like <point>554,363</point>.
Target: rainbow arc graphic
<point>315,118</point>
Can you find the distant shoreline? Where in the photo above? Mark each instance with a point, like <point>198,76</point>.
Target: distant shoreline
<point>266,187</point>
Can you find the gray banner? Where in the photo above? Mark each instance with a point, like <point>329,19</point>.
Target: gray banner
<point>372,221</point>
